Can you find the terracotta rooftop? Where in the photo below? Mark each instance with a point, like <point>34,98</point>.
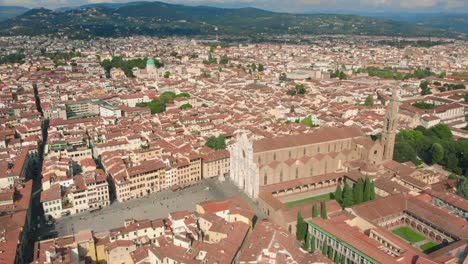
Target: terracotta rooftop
<point>320,135</point>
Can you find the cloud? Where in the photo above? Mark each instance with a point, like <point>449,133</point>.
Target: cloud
<point>452,4</point>
<point>418,3</point>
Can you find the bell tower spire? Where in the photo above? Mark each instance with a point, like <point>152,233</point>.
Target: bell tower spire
<point>390,126</point>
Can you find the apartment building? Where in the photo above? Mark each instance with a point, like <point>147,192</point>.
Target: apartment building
<point>216,164</point>
<point>139,180</point>
<point>76,109</point>
<point>87,191</point>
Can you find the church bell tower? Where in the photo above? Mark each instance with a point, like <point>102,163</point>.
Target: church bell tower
<point>390,127</point>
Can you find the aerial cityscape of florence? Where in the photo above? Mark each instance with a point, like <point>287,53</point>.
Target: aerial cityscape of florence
<point>234,131</point>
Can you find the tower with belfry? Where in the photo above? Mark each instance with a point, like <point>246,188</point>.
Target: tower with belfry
<point>390,127</point>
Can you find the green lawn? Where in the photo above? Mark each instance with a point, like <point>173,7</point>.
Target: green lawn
<point>429,247</point>
<point>323,197</point>
<point>408,234</point>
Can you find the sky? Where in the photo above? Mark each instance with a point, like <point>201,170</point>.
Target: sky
<point>301,6</point>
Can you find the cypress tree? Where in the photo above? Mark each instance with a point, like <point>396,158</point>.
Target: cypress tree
<point>338,194</point>
<point>358,191</point>
<point>299,227</point>
<point>348,199</point>
<point>314,211</point>
<point>372,194</point>
<point>367,189</point>
<point>323,210</point>
<point>306,244</point>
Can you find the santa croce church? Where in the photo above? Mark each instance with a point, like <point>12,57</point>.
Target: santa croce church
<point>256,164</point>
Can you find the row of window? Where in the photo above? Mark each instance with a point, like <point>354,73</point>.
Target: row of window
<point>52,209</point>
<point>52,202</point>
<point>318,150</point>
<point>265,177</point>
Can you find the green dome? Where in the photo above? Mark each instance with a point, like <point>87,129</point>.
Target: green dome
<point>150,62</point>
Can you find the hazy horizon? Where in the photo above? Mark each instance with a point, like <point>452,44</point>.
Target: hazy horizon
<point>380,7</point>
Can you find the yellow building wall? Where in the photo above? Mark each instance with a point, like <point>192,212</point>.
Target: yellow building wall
<point>88,250</point>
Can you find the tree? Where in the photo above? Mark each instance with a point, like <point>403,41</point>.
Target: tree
<point>308,122</point>
<point>358,190</point>
<point>348,199</point>
<point>442,131</point>
<point>291,92</point>
<point>452,163</point>
<point>372,194</point>
<point>425,89</point>
<point>314,211</point>
<point>185,106</point>
<point>254,67</point>
<point>338,194</point>
<point>216,143</point>
<point>342,76</point>
<point>300,89</point>
<point>437,152</point>
<point>167,74</point>
<point>261,67</point>
<point>300,232</point>
<point>306,245</point>
<point>323,210</point>
<point>224,59</point>
<point>369,101</point>
<point>462,188</point>
<point>184,95</point>
<point>367,190</point>
<point>404,152</point>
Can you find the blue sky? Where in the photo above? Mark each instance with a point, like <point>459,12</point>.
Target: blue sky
<point>352,6</point>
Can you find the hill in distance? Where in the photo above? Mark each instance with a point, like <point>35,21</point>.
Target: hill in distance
<point>447,21</point>
<point>157,18</point>
<point>7,12</point>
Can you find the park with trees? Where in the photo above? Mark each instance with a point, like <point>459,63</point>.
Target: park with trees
<point>126,65</point>
<point>435,145</point>
<point>298,89</point>
<point>158,105</point>
<point>216,143</point>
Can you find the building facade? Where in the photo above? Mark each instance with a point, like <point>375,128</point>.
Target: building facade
<point>257,163</point>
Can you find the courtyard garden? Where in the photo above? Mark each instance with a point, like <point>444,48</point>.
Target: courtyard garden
<point>409,234</point>
<point>429,247</point>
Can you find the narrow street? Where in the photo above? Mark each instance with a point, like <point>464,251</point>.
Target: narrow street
<point>37,219</point>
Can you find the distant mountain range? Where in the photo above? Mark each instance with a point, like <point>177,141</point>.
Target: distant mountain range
<point>7,12</point>
<point>157,18</point>
<point>447,21</point>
